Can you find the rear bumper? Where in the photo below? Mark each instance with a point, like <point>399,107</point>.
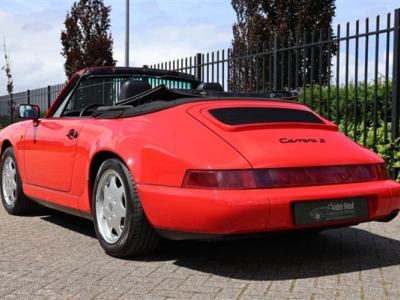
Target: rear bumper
<point>232,212</point>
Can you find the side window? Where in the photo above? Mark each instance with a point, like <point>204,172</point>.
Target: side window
<point>93,91</point>
<point>101,91</point>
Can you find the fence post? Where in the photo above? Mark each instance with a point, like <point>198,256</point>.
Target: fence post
<point>277,77</point>
<point>198,66</point>
<point>48,96</point>
<point>396,82</point>
<point>11,108</point>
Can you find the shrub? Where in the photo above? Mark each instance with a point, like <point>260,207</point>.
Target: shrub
<point>356,108</point>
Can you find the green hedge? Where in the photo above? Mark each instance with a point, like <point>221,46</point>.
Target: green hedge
<point>348,107</point>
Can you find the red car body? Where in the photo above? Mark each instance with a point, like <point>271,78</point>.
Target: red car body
<point>200,165</point>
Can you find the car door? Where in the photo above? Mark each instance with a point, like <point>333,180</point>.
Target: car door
<point>50,152</point>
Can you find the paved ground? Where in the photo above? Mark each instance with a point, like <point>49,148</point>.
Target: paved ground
<point>55,256</point>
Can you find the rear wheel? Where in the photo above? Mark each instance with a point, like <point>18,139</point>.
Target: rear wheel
<point>119,220</point>
<point>14,200</point>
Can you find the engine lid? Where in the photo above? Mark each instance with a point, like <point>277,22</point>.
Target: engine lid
<point>280,134</point>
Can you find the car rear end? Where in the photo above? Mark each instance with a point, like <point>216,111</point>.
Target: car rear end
<point>301,173</point>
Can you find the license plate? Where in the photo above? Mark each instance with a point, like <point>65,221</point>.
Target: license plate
<point>312,212</point>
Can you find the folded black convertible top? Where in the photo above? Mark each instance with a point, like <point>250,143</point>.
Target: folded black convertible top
<point>161,97</point>
<point>160,92</point>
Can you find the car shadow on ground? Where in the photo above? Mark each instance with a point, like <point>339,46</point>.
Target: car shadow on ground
<point>286,256</point>
<point>70,222</point>
<point>275,257</point>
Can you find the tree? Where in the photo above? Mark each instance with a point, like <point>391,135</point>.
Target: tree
<point>265,26</point>
<point>86,39</point>
<point>7,69</point>
<point>10,82</point>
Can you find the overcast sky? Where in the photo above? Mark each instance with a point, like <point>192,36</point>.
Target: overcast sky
<point>160,30</point>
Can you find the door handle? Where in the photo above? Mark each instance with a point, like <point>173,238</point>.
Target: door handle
<point>72,134</point>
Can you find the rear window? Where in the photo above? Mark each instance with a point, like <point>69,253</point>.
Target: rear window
<point>255,115</point>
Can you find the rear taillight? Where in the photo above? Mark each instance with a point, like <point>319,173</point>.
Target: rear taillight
<point>283,177</point>
<point>237,179</point>
<point>319,175</point>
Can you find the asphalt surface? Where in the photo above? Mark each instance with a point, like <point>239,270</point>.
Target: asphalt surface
<point>51,255</point>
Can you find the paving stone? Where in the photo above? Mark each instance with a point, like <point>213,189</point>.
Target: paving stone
<point>54,256</point>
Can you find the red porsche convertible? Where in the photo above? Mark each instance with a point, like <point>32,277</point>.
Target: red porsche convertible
<point>147,154</point>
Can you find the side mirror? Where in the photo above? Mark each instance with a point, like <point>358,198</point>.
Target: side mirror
<point>28,111</point>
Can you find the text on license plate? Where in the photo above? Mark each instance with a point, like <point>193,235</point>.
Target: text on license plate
<point>312,212</point>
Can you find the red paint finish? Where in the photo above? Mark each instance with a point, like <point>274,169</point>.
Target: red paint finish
<point>246,211</point>
<point>56,157</point>
<point>50,153</point>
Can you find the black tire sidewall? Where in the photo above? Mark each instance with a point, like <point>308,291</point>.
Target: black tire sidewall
<point>11,209</point>
<point>122,245</point>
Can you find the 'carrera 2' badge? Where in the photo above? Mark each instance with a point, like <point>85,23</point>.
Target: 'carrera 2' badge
<point>287,141</point>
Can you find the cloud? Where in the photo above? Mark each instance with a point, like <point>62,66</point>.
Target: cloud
<point>370,68</point>
<point>33,43</point>
<point>160,31</point>
<point>173,31</point>
<point>353,10</point>
<point>36,27</point>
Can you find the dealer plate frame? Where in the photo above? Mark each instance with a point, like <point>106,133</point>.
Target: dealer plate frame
<point>330,211</point>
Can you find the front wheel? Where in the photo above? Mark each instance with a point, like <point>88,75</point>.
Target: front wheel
<point>119,220</point>
<point>14,200</point>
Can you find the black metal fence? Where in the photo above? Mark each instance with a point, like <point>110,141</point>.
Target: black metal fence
<point>364,87</point>
<point>362,95</point>
<point>42,97</point>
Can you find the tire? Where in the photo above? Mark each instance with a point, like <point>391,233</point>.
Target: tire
<point>120,223</point>
<point>14,200</point>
